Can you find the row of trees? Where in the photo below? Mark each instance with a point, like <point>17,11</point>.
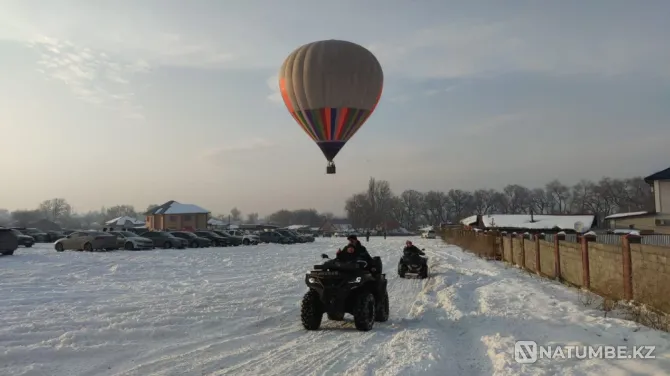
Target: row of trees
<point>378,205</point>
<point>60,211</point>
<point>411,209</point>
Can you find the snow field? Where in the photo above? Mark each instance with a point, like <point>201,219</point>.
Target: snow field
<point>235,311</point>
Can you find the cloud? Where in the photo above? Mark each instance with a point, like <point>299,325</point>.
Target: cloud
<point>273,84</point>
<point>91,75</point>
<point>237,150</point>
<point>497,122</point>
<point>473,48</point>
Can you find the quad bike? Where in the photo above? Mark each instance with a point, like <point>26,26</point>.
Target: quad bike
<point>336,288</point>
<point>413,264</point>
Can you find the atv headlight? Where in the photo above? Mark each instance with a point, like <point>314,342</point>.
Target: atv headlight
<point>312,280</point>
<point>356,280</point>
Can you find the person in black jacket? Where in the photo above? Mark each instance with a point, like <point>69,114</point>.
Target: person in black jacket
<point>412,250</point>
<point>354,251</point>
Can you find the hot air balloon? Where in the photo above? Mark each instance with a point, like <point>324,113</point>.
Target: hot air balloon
<point>331,87</point>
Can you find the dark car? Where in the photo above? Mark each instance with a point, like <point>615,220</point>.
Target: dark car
<point>291,235</point>
<point>55,235</point>
<point>164,239</point>
<point>232,239</point>
<point>216,239</point>
<point>194,241</point>
<point>274,237</point>
<point>24,240</point>
<point>130,241</point>
<point>39,236</point>
<point>8,242</point>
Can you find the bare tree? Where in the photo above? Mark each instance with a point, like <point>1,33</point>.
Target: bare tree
<point>252,218</point>
<point>235,215</point>
<point>55,209</point>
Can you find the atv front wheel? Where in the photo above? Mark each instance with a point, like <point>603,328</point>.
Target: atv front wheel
<point>364,312</point>
<point>311,311</point>
<point>382,308</point>
<point>335,316</point>
<point>402,269</point>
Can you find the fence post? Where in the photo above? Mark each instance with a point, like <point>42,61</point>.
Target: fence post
<point>511,248</point>
<point>557,256</point>
<point>586,271</point>
<point>626,241</point>
<point>522,241</point>
<point>538,266</point>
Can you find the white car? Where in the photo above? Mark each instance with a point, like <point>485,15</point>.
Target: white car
<point>247,239</point>
<point>430,234</point>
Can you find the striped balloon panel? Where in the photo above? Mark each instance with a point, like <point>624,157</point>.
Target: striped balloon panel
<point>331,124</point>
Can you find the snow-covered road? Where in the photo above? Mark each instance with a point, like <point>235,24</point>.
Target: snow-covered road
<point>235,311</point>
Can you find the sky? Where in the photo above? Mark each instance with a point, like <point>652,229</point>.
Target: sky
<point>140,102</point>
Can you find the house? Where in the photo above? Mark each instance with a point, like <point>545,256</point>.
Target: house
<point>545,223</point>
<point>657,220</point>
<point>177,216</point>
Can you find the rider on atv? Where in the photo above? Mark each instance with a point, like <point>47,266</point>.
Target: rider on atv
<point>354,251</point>
<point>412,250</point>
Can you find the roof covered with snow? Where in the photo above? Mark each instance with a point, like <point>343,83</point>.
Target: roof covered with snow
<point>626,215</point>
<point>123,221</point>
<point>174,207</point>
<point>545,222</point>
<point>469,221</point>
<point>297,227</point>
<point>216,222</point>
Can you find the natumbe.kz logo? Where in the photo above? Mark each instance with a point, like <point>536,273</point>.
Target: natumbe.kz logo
<point>527,352</point>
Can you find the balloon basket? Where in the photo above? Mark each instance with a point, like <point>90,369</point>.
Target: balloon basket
<point>330,169</point>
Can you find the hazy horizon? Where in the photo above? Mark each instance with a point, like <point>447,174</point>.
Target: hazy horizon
<point>143,102</point>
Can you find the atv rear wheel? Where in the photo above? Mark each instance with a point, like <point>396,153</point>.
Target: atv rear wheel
<point>335,316</point>
<point>364,312</point>
<point>311,310</point>
<point>382,308</point>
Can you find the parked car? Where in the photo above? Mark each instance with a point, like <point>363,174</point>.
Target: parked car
<point>87,241</point>
<point>304,238</point>
<point>8,241</point>
<point>54,235</point>
<point>430,234</point>
<point>233,240</point>
<point>287,233</point>
<point>247,238</point>
<point>163,239</point>
<point>24,240</point>
<point>216,239</point>
<point>194,241</point>
<point>39,236</point>
<point>131,241</point>
<point>274,237</point>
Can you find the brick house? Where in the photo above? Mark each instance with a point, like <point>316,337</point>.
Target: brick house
<point>173,215</point>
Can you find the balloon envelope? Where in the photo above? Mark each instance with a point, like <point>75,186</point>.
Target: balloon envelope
<point>331,88</point>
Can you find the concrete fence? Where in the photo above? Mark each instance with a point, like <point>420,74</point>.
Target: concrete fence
<point>628,271</point>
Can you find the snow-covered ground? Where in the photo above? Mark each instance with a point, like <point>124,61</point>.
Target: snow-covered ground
<point>235,311</point>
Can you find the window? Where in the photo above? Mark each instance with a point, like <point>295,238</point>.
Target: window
<point>187,217</point>
<point>173,218</point>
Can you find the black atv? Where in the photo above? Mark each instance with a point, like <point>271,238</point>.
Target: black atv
<point>336,288</point>
<point>411,263</point>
